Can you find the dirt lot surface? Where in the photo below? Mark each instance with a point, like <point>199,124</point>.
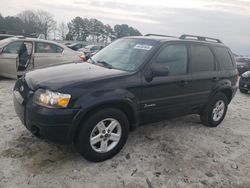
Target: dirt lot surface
<point>175,153</point>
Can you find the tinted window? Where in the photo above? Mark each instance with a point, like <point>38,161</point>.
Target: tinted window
<point>13,48</point>
<point>202,59</point>
<point>42,47</point>
<point>224,58</point>
<point>175,57</point>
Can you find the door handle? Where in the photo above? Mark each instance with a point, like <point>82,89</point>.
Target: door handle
<point>183,83</point>
<point>215,79</point>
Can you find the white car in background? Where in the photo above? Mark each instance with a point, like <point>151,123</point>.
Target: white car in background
<point>20,54</point>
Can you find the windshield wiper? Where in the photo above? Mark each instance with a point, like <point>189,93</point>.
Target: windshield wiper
<point>105,64</point>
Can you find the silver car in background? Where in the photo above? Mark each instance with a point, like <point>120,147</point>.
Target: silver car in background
<point>20,54</point>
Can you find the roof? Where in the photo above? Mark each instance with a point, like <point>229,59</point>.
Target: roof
<point>7,35</point>
<point>17,38</point>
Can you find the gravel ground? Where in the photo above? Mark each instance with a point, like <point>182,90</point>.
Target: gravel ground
<point>176,153</point>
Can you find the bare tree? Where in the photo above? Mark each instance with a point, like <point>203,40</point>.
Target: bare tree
<point>63,30</point>
<point>30,21</point>
<point>46,22</point>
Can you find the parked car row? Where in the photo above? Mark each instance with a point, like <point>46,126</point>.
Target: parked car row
<point>91,50</point>
<point>19,54</point>
<point>76,46</point>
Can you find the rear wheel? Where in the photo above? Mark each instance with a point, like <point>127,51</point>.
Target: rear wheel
<point>215,111</point>
<point>103,135</point>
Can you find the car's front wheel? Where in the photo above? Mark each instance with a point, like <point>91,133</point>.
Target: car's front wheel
<point>215,111</point>
<point>103,135</point>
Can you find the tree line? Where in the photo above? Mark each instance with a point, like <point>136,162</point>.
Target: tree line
<point>33,23</point>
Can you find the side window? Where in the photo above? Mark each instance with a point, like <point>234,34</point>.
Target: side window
<point>13,48</point>
<point>42,47</point>
<point>202,58</point>
<point>224,58</point>
<point>175,57</point>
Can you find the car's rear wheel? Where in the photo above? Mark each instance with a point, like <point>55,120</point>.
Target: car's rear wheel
<point>215,111</point>
<point>103,135</point>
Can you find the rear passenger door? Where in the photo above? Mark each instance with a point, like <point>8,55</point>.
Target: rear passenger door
<point>205,74</point>
<point>47,54</point>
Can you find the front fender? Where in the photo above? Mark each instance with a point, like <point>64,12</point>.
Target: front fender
<point>107,97</point>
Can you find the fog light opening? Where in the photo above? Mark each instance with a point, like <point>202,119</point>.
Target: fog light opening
<point>35,131</point>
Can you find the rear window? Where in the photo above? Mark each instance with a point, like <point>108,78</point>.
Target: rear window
<point>202,58</point>
<point>224,58</point>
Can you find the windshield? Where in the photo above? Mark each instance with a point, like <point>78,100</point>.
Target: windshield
<point>125,54</point>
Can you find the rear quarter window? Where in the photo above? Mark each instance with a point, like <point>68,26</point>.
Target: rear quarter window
<point>224,58</point>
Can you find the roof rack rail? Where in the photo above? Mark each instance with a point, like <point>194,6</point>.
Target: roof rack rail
<point>194,37</point>
<point>159,35</point>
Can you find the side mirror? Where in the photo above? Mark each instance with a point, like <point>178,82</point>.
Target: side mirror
<point>156,71</point>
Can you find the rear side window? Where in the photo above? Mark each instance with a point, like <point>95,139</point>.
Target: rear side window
<point>202,58</point>
<point>42,47</point>
<point>175,57</point>
<point>224,58</point>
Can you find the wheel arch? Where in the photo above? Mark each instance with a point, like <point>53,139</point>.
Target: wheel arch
<point>125,106</point>
<point>228,93</point>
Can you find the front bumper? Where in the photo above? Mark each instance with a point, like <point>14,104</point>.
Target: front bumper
<point>55,125</point>
<point>244,85</point>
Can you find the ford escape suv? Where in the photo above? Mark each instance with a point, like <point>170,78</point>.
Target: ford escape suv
<point>131,82</point>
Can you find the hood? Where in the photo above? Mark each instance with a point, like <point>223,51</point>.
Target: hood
<point>63,75</point>
<point>246,74</point>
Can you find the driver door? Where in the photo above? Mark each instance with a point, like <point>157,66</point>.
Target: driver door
<point>9,59</point>
<point>166,96</point>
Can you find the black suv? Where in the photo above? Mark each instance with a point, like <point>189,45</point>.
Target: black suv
<point>133,81</point>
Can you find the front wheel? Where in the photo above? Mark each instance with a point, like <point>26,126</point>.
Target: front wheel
<point>215,111</point>
<point>103,135</point>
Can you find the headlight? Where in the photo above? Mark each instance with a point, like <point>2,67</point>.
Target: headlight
<point>51,99</point>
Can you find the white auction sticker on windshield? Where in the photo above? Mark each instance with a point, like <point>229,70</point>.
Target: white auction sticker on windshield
<point>143,47</point>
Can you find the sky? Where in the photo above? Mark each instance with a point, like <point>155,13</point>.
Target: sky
<point>228,20</point>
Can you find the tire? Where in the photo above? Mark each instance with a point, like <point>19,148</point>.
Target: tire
<point>89,129</point>
<point>207,116</point>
